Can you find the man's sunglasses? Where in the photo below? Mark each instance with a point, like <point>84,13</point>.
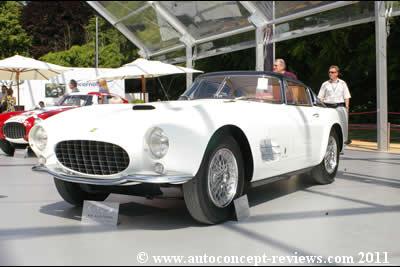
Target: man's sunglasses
<point>333,72</point>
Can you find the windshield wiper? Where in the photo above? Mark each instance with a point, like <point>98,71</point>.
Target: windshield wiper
<point>184,97</point>
<point>245,98</point>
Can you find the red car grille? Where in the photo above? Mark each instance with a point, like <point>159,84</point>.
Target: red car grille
<point>14,130</point>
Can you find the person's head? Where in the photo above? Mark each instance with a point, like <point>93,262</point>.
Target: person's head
<point>333,72</point>
<point>4,89</point>
<point>279,65</point>
<point>73,84</point>
<point>10,92</point>
<point>41,104</point>
<point>102,84</point>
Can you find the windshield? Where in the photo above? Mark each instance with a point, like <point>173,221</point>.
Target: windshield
<point>76,100</point>
<point>242,87</point>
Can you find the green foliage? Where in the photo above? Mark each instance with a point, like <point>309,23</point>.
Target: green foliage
<point>13,38</point>
<point>352,49</point>
<point>114,49</point>
<point>137,101</point>
<point>55,25</point>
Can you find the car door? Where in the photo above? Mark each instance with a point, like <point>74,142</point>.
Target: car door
<point>308,124</point>
<point>273,137</point>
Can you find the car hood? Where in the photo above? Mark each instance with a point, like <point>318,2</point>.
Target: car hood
<point>116,119</point>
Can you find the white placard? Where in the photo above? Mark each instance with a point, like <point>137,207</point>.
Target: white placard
<point>262,84</point>
<point>242,208</point>
<point>100,213</point>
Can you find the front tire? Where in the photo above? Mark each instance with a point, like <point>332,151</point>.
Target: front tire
<point>75,195</point>
<point>325,172</point>
<point>209,195</point>
<point>7,147</point>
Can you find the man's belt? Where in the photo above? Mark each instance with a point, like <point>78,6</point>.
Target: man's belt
<point>334,105</point>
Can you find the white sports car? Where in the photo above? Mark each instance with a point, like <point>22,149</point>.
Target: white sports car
<point>228,131</point>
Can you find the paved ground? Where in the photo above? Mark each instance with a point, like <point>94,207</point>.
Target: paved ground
<point>360,212</point>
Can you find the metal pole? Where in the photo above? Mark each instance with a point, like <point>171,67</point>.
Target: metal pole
<point>381,76</point>
<point>97,43</point>
<point>143,79</point>
<point>189,64</point>
<point>17,87</point>
<point>273,32</point>
<point>259,49</point>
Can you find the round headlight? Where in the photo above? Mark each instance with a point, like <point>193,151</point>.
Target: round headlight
<point>39,137</point>
<point>158,142</point>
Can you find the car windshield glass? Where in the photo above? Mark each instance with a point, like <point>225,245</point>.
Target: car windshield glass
<point>262,88</point>
<point>75,100</point>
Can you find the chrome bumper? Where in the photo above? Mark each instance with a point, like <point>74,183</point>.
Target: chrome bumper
<point>152,179</point>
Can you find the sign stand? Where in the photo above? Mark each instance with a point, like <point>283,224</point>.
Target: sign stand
<point>100,213</point>
<point>242,208</point>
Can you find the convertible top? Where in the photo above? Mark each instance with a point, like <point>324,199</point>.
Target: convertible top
<point>247,73</point>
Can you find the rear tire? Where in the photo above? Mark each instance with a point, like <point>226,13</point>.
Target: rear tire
<point>75,195</point>
<point>209,195</point>
<point>7,147</point>
<point>325,172</point>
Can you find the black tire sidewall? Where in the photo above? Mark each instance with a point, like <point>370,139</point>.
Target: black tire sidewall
<point>74,194</point>
<point>319,173</point>
<point>7,147</point>
<point>214,213</point>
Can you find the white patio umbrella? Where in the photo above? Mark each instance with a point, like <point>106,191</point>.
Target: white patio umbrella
<point>17,68</point>
<point>143,68</point>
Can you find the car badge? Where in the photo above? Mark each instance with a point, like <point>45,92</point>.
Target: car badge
<point>93,130</point>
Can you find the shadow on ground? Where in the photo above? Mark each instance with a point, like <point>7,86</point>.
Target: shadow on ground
<point>142,214</point>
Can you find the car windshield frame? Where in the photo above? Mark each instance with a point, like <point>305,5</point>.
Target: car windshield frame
<point>86,98</point>
<point>224,79</point>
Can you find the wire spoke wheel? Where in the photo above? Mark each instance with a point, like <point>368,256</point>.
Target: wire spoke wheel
<point>223,178</point>
<point>330,159</point>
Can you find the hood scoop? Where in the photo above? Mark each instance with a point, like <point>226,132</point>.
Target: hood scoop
<point>143,107</point>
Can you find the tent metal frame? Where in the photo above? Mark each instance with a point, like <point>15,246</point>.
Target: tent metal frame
<point>259,22</point>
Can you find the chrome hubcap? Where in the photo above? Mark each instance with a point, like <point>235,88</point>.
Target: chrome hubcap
<point>223,177</point>
<point>330,159</point>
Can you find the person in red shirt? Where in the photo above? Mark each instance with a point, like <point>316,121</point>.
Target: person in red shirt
<point>280,67</point>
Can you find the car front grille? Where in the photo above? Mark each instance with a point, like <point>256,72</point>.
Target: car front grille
<point>14,130</point>
<point>92,157</point>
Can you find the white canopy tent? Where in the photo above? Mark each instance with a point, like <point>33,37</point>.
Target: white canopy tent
<point>17,68</point>
<point>184,31</point>
<point>33,91</point>
<point>143,68</point>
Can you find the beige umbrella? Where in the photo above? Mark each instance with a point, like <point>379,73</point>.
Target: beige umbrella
<point>146,68</point>
<point>17,68</point>
<point>143,68</point>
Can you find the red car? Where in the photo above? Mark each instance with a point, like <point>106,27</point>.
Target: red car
<point>15,126</point>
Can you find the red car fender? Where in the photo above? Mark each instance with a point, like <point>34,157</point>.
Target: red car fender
<point>4,117</point>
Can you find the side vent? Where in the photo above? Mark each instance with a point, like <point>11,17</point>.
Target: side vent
<point>143,107</point>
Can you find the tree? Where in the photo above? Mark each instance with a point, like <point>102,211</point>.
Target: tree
<point>114,49</point>
<point>352,49</point>
<point>13,38</point>
<point>55,25</point>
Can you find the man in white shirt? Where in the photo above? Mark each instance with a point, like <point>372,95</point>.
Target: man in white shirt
<point>335,93</point>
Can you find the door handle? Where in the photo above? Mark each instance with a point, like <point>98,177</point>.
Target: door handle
<point>316,115</point>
